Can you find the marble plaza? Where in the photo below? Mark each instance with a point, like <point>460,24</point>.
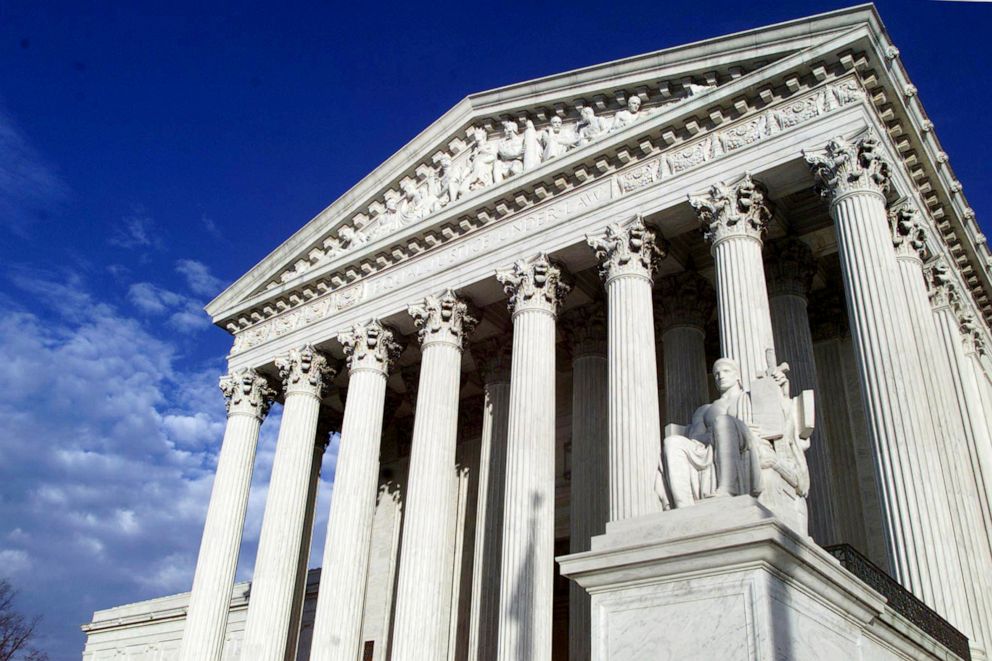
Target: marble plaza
<point>682,356</point>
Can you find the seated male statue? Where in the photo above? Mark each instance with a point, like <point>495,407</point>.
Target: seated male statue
<point>743,443</point>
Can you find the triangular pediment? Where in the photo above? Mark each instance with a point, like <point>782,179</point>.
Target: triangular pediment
<point>500,151</point>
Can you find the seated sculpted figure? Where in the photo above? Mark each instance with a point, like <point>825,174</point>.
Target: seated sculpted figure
<point>743,443</point>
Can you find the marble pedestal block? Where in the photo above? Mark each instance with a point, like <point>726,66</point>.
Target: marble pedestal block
<point>727,580</point>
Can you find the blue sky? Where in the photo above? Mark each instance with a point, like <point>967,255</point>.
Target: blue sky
<point>151,152</point>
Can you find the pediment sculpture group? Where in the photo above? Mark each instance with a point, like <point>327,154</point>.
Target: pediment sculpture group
<point>491,161</point>
<point>745,442</point>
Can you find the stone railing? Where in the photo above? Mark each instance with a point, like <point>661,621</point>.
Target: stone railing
<point>902,600</point>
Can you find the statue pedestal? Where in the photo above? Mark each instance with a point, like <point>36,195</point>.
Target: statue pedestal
<point>727,580</point>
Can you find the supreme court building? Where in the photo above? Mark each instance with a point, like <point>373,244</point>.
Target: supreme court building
<point>679,356</point>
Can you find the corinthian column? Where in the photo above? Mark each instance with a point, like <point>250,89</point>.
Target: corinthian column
<point>421,627</point>
<point>248,400</point>
<point>734,219</point>
<point>945,298</point>
<point>305,373</point>
<point>536,288</point>
<point>685,302</point>
<point>855,176</point>
<point>628,260</point>
<point>370,350</point>
<point>585,328</point>
<point>790,269</point>
<point>493,361</point>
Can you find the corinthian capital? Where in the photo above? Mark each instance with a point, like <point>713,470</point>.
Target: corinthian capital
<point>538,283</point>
<point>305,370</point>
<point>733,210</point>
<point>844,166</point>
<point>790,267</point>
<point>247,392</point>
<point>585,327</point>
<point>632,250</point>
<point>909,235</point>
<point>370,346</point>
<point>943,290</point>
<point>684,299</point>
<point>444,318</point>
<point>492,357</point>
<point>972,337</point>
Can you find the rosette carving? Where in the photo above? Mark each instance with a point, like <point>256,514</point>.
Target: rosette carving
<point>684,299</point>
<point>538,283</point>
<point>371,346</point>
<point>789,267</point>
<point>844,166</point>
<point>733,210</point>
<point>631,250</point>
<point>248,392</point>
<point>909,234</point>
<point>443,318</point>
<point>305,370</point>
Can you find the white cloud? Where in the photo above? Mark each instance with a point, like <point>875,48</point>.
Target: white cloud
<point>199,278</point>
<point>30,190</point>
<point>185,314</point>
<point>14,562</point>
<point>136,230</point>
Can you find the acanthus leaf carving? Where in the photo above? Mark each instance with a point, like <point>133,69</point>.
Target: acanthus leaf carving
<point>586,329</point>
<point>943,290</point>
<point>684,299</point>
<point>909,234</point>
<point>790,267</point>
<point>632,250</point>
<point>846,166</point>
<point>537,283</point>
<point>371,346</point>
<point>305,370</point>
<point>443,318</point>
<point>733,210</point>
<point>248,392</point>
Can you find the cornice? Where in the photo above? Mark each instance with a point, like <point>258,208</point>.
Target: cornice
<point>691,148</point>
<point>738,112</point>
<point>658,77</point>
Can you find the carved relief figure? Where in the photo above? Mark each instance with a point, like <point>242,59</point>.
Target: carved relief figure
<point>511,153</point>
<point>556,139</point>
<point>629,115</point>
<point>450,181</point>
<point>413,207</point>
<point>484,157</point>
<point>590,126</point>
<point>743,443</point>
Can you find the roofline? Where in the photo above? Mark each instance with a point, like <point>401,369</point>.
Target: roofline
<point>817,25</point>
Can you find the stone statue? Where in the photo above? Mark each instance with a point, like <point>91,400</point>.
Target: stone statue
<point>744,442</point>
<point>511,153</point>
<point>590,126</point>
<point>484,157</point>
<point>532,146</point>
<point>450,182</point>
<point>414,204</point>
<point>631,114</point>
<point>556,139</point>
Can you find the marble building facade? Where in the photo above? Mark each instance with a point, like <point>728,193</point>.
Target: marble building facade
<point>512,324</point>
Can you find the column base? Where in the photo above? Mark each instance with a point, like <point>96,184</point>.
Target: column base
<point>726,579</point>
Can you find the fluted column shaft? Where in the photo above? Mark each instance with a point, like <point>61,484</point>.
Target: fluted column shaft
<point>685,303</point>
<point>420,630</point>
<point>370,349</point>
<point>628,258</point>
<point>585,328</point>
<point>484,624</point>
<point>686,386</point>
<point>976,432</point>
<point>536,288</point>
<point>734,219</point>
<point>794,345</point>
<point>951,531</point>
<point>273,589</point>
<point>249,397</point>
<point>790,267</point>
<point>303,565</point>
<point>855,175</point>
